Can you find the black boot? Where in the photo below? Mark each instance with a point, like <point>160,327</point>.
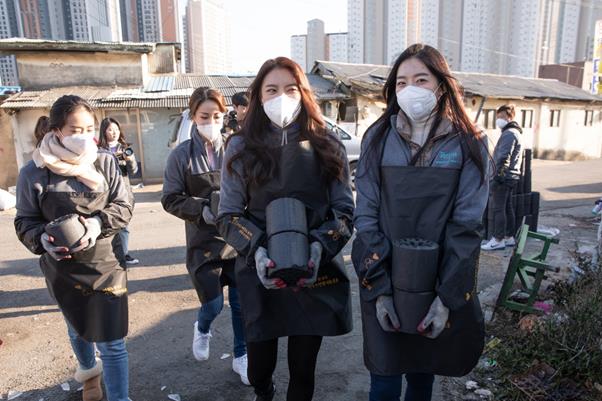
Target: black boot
<point>268,396</point>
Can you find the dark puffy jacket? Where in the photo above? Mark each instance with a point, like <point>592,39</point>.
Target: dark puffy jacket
<point>507,154</point>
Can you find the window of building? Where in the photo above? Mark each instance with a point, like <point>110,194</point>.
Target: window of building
<point>554,118</point>
<point>526,118</point>
<point>488,118</point>
<point>589,118</point>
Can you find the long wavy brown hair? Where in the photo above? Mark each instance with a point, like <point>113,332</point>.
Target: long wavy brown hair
<point>449,105</point>
<point>259,164</point>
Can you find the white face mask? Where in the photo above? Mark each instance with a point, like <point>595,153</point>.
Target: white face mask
<point>417,103</point>
<point>211,132</point>
<point>79,143</point>
<point>282,110</point>
<point>501,123</point>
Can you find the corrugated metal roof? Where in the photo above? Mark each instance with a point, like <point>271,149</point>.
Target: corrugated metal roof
<point>371,77</point>
<point>45,99</point>
<point>159,92</point>
<point>192,81</point>
<point>109,98</point>
<point>242,81</point>
<point>210,81</point>
<point>160,84</point>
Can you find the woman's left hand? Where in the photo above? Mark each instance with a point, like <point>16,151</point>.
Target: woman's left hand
<point>435,320</point>
<point>315,255</point>
<point>93,230</point>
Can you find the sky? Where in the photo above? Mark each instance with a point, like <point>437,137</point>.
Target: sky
<point>262,29</point>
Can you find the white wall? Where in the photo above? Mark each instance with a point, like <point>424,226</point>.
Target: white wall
<point>571,140</point>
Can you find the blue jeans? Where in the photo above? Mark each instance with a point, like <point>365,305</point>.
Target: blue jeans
<point>124,236</point>
<point>114,359</point>
<point>388,388</point>
<point>209,311</point>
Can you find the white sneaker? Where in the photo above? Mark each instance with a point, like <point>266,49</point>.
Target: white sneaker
<point>200,344</point>
<point>239,366</point>
<point>493,245</point>
<point>509,241</point>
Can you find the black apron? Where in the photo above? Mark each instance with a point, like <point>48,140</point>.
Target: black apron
<point>323,309</point>
<point>209,260</point>
<point>418,202</point>
<point>91,287</point>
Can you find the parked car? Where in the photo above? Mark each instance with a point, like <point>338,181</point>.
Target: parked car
<point>352,143</point>
<point>352,146</point>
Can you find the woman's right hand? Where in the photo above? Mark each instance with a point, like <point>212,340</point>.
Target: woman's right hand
<point>208,215</point>
<point>262,263</point>
<point>56,252</point>
<point>386,314</point>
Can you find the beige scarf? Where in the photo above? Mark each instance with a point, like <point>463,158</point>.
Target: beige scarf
<point>52,154</point>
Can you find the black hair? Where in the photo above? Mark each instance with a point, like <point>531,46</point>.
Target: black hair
<point>509,109</point>
<point>63,107</point>
<point>240,99</point>
<point>104,125</point>
<point>449,105</point>
<point>202,94</point>
<point>41,129</point>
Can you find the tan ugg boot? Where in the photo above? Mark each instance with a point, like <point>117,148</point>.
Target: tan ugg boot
<point>91,379</point>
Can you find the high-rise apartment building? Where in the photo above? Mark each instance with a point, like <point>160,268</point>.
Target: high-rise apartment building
<point>35,18</point>
<point>318,45</point>
<point>10,26</point>
<point>336,49</point>
<point>299,50</point>
<point>89,20</point>
<point>355,30</point>
<point>149,20</point>
<point>207,49</point>
<point>503,37</point>
<point>170,25</point>
<point>316,42</point>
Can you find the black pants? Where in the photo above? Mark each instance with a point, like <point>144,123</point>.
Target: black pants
<point>302,356</point>
<point>503,212</point>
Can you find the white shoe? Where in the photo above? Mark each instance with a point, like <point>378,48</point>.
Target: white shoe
<point>239,366</point>
<point>509,241</point>
<point>200,344</point>
<point>493,245</point>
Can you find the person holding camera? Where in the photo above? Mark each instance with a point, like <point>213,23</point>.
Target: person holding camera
<point>113,140</point>
<point>233,120</point>
<point>240,101</point>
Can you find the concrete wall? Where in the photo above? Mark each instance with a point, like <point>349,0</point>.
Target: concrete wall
<point>8,158</point>
<point>368,112</point>
<point>162,60</point>
<point>572,140</point>
<point>58,69</point>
